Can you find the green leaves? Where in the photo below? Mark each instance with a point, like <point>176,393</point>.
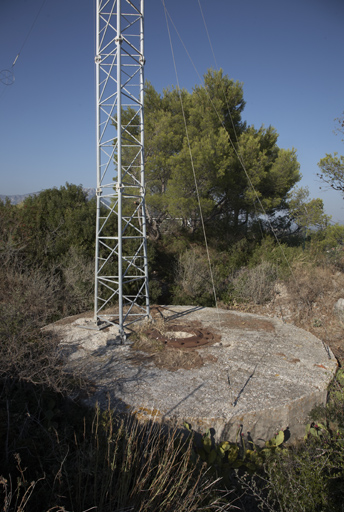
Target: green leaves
<point>277,440</point>
<point>214,156</point>
<point>332,171</point>
<point>307,213</point>
<point>55,220</point>
<point>223,457</point>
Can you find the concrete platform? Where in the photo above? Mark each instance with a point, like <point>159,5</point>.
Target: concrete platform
<point>256,372</point>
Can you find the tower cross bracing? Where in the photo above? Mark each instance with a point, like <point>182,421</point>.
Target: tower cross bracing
<point>121,271</point>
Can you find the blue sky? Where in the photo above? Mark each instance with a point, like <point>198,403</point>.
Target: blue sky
<point>288,54</point>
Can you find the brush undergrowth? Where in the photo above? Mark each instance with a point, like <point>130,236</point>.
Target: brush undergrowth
<point>308,477</point>
<point>59,456</point>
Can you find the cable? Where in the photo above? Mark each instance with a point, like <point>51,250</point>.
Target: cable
<point>236,151</point>
<point>192,164</point>
<point>243,166</point>
<point>29,33</point>
<point>240,159</point>
<point>10,71</point>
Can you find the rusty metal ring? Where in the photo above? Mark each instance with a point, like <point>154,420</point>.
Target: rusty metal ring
<point>198,338</point>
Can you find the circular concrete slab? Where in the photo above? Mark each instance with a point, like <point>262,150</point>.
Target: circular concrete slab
<point>258,373</point>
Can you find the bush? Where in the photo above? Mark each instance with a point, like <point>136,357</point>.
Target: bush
<point>255,284</point>
<point>328,245</point>
<point>331,237</point>
<point>194,282</point>
<point>28,296</point>
<point>308,477</point>
<point>280,255</point>
<point>78,280</point>
<point>306,285</point>
<point>300,482</point>
<point>29,300</point>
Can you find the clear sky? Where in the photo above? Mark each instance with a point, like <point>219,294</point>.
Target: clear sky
<point>289,55</point>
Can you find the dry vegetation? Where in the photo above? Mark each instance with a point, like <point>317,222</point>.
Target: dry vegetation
<point>58,456</point>
<point>307,299</point>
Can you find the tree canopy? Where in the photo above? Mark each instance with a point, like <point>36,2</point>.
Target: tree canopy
<point>306,212</point>
<point>198,140</point>
<point>53,221</point>
<point>332,171</point>
<point>332,166</point>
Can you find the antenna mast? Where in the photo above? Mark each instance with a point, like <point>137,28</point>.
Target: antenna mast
<point>121,268</point>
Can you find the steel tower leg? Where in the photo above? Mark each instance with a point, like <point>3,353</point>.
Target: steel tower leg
<point>121,266</point>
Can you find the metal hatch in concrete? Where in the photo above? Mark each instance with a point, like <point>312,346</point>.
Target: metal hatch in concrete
<point>244,370</point>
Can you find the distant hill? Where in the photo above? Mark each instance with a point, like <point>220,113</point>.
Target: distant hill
<point>16,199</point>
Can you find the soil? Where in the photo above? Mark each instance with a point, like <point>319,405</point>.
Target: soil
<point>171,344</point>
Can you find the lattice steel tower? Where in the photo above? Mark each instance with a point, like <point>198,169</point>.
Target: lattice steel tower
<point>121,272</point>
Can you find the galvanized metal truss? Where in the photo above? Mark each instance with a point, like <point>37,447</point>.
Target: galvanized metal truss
<point>121,271</point>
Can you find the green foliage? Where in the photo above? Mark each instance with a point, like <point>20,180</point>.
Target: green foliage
<point>224,458</point>
<point>216,137</point>
<point>307,213</point>
<point>332,171</point>
<point>239,253</point>
<point>55,220</point>
<point>270,170</point>
<point>196,276</point>
<point>330,244</point>
<point>300,482</point>
<point>331,238</point>
<point>280,255</point>
<point>47,254</point>
<point>13,240</point>
<point>309,477</point>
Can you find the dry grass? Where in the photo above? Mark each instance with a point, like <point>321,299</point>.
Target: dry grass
<point>308,285</point>
<point>111,464</point>
<point>255,284</point>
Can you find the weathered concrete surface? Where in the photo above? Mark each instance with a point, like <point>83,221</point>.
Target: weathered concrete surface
<point>262,374</point>
<point>339,310</point>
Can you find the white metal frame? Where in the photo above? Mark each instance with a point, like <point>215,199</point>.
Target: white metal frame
<point>121,269</point>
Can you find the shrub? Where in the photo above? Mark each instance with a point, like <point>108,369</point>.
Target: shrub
<point>194,282</point>
<point>255,284</point>
<point>28,296</point>
<point>78,280</point>
<point>306,286</point>
<point>331,237</point>
<point>28,300</point>
<point>328,245</point>
<point>299,482</point>
<point>280,255</point>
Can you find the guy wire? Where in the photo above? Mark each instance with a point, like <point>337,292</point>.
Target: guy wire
<point>192,165</point>
<point>236,150</point>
